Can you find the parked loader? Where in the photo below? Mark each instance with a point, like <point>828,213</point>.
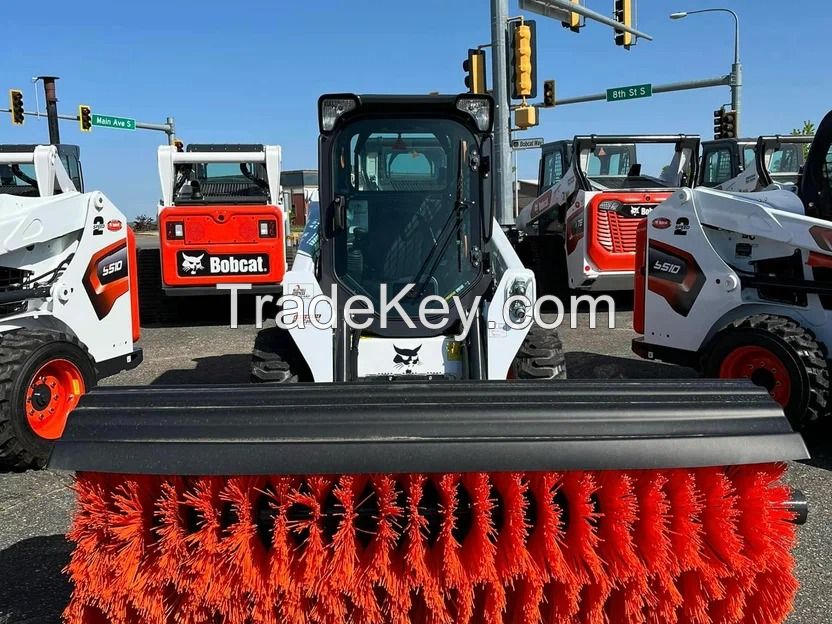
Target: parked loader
<point>68,309</point>
<point>748,165</point>
<point>737,285</point>
<point>221,221</point>
<point>411,482</point>
<point>580,232</point>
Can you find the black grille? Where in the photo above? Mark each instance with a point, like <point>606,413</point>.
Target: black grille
<point>13,279</point>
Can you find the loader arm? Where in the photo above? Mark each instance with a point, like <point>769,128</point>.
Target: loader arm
<point>550,200</point>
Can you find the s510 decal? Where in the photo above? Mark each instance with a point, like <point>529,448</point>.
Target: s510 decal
<point>107,277</point>
<point>674,275</point>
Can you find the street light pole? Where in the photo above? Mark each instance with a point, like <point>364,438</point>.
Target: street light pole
<point>736,67</point>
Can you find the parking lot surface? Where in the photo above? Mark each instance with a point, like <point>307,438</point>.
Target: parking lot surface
<point>35,507</point>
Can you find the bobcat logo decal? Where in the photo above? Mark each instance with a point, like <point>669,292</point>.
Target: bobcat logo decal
<point>407,359</point>
<point>192,264</point>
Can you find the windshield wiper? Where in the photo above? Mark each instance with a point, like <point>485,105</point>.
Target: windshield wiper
<point>452,225</point>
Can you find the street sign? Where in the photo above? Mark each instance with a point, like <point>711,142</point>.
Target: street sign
<point>523,144</point>
<point>629,93</point>
<point>108,121</point>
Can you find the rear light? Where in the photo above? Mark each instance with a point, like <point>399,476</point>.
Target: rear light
<point>640,278</point>
<point>175,230</point>
<point>268,229</point>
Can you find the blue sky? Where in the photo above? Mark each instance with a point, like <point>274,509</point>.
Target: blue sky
<point>252,71</point>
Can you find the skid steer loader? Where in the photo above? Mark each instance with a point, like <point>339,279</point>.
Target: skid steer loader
<point>421,486</point>
<point>221,221</point>
<point>746,165</point>
<point>580,232</point>
<point>68,310</point>
<point>738,284</point>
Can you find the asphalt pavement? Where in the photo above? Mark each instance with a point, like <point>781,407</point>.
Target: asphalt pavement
<point>35,506</point>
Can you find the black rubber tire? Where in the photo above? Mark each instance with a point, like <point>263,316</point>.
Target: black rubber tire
<point>541,356</point>
<point>795,346</point>
<point>154,306</point>
<point>276,358</point>
<point>22,352</point>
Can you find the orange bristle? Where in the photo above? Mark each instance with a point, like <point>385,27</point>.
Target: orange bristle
<point>701,546</point>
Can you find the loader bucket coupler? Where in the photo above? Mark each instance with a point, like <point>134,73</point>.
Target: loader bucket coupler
<point>443,502</point>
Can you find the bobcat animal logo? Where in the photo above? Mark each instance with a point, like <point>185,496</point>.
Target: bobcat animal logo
<point>407,359</point>
<point>192,264</point>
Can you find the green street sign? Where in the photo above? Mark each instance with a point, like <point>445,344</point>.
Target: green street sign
<point>108,121</point>
<point>629,93</point>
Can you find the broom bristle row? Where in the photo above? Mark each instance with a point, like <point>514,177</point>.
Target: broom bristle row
<point>700,546</point>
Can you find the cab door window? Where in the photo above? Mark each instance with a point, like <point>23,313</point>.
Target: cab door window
<point>718,167</point>
<point>552,170</point>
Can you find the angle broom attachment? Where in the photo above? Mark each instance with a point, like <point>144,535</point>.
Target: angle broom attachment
<point>693,546</point>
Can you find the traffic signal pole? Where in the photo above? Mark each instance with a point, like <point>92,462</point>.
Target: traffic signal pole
<point>502,114</point>
<point>51,108</point>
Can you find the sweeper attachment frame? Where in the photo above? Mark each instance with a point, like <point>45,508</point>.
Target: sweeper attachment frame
<point>512,501</point>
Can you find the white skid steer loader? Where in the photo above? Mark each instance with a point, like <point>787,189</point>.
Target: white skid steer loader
<point>739,285</point>
<point>748,165</point>
<point>421,486</point>
<point>68,309</point>
<point>580,232</point>
<point>405,200</point>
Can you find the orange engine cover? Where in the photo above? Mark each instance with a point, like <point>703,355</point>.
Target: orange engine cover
<point>222,244</point>
<point>611,243</point>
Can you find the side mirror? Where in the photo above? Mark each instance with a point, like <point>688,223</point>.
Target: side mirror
<point>487,193</point>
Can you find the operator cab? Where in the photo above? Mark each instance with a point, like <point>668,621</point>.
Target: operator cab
<point>777,159</point>
<point>202,183</point>
<point>406,199</point>
<point>20,179</point>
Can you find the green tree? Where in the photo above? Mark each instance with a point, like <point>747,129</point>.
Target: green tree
<point>807,129</point>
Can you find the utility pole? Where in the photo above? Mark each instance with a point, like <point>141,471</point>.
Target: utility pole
<point>51,108</point>
<point>502,117</point>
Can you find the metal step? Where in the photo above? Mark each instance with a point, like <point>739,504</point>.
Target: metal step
<point>424,427</point>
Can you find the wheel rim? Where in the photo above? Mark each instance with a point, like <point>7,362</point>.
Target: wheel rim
<point>760,366</point>
<point>53,392</point>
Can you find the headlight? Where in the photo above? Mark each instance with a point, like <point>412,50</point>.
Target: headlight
<point>479,108</point>
<point>610,204</point>
<point>331,108</point>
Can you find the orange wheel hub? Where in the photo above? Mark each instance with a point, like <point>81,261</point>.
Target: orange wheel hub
<point>53,392</point>
<point>760,366</point>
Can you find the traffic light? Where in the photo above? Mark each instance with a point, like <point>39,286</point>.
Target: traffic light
<point>525,116</point>
<point>573,22</point>
<point>624,15</point>
<point>718,115</point>
<point>85,117</point>
<point>16,106</point>
<point>474,67</point>
<point>522,66</point>
<point>729,124</point>
<point>548,93</point>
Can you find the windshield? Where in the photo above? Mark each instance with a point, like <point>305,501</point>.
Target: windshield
<point>219,182</point>
<point>412,214</point>
<point>620,167</point>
